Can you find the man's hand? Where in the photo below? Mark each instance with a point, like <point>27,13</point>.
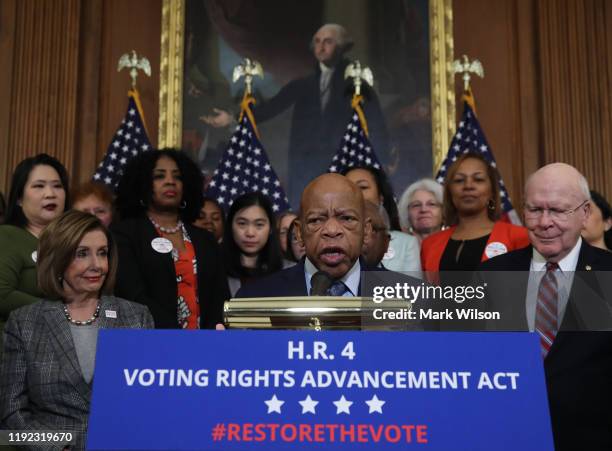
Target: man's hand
<point>220,118</point>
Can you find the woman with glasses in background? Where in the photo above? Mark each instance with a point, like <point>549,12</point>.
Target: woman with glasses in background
<point>420,208</point>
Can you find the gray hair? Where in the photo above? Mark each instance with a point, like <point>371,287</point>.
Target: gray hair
<point>425,184</point>
<point>343,39</point>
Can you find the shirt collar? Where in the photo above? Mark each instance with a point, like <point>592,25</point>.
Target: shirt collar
<point>351,279</point>
<point>566,264</point>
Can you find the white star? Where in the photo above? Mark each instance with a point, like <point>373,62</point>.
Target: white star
<point>120,132</point>
<point>267,167</point>
<point>97,176</point>
<point>220,199</point>
<point>257,151</point>
<point>116,144</point>
<point>110,168</point>
<point>274,404</point>
<point>308,405</point>
<point>145,147</point>
<point>107,180</point>
<point>275,208</point>
<point>128,136</point>
<point>123,160</point>
<point>132,112</point>
<point>130,124</point>
<point>239,155</point>
<point>242,143</point>
<point>233,191</point>
<point>113,156</point>
<point>343,406</point>
<point>333,168</point>
<point>347,137</point>
<point>234,139</point>
<point>375,404</point>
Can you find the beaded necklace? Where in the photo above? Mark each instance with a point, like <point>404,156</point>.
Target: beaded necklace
<point>168,230</point>
<point>82,323</point>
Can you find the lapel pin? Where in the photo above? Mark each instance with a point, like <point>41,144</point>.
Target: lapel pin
<point>587,267</point>
<point>110,313</point>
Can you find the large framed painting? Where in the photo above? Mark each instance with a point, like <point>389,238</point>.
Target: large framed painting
<point>407,44</point>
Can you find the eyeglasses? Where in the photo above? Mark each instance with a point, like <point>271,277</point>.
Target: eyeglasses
<point>535,213</point>
<point>419,205</point>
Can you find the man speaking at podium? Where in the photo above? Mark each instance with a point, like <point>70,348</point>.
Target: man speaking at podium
<point>331,224</point>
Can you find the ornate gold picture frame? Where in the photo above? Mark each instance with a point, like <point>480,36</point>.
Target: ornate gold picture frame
<point>441,77</point>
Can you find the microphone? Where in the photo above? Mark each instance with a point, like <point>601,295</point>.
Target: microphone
<point>320,283</point>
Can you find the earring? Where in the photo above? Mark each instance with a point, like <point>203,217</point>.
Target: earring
<point>183,205</point>
<point>142,204</point>
<point>491,204</point>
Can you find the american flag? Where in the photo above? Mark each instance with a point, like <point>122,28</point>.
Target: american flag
<point>469,137</point>
<point>355,149</point>
<point>245,168</point>
<point>130,139</point>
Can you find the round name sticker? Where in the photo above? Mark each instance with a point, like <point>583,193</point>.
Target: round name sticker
<point>34,256</point>
<point>162,245</point>
<point>495,248</point>
<point>389,254</point>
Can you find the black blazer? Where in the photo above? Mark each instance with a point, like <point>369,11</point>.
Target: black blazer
<point>578,366</point>
<point>148,277</point>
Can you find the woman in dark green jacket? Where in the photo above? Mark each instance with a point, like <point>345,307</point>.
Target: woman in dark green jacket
<point>38,195</point>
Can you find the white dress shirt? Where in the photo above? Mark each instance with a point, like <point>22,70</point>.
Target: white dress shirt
<point>564,275</point>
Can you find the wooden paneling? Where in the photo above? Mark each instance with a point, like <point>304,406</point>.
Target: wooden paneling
<point>576,86</point>
<point>61,91</point>
<point>501,36</point>
<point>128,25</point>
<point>43,84</point>
<point>547,92</point>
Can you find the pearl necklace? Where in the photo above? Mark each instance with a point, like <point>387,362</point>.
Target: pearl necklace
<point>169,230</point>
<point>82,323</point>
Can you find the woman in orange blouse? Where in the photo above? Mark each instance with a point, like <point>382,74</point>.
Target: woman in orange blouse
<point>472,209</point>
<point>165,262</point>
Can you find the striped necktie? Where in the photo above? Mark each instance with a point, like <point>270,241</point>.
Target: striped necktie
<point>546,308</point>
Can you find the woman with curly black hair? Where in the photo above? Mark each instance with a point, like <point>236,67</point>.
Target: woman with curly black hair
<point>164,262</point>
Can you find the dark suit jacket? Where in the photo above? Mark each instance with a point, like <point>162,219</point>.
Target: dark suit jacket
<point>579,365</point>
<point>41,384</point>
<point>149,277</point>
<point>316,134</point>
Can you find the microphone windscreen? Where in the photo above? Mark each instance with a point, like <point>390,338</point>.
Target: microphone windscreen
<point>320,283</point>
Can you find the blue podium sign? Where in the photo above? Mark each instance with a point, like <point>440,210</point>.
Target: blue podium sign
<point>280,390</point>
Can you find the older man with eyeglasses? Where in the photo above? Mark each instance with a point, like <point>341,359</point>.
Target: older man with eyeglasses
<point>563,295</point>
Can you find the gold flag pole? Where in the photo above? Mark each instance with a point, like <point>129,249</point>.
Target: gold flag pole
<point>135,63</point>
<point>247,69</point>
<point>467,67</point>
<point>359,75</point>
